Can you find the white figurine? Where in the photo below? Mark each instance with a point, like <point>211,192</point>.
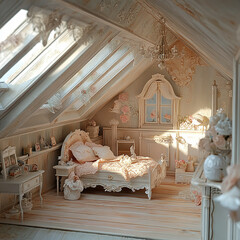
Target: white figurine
<point>132,151</point>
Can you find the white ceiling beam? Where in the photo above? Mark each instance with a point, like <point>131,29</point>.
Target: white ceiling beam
<point>46,87</point>
<point>94,69</point>
<point>71,101</point>
<point>104,21</point>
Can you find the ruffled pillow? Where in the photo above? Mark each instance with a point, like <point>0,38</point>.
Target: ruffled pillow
<point>92,144</point>
<point>82,152</point>
<point>103,152</point>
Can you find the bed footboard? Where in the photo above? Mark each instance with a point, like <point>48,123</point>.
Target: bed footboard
<point>113,182</point>
<point>155,177</point>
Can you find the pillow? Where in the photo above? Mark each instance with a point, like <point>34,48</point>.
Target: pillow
<point>103,152</point>
<point>82,152</point>
<point>92,144</point>
<point>85,136</point>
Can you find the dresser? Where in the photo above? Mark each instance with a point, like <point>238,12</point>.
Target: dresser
<point>22,184</point>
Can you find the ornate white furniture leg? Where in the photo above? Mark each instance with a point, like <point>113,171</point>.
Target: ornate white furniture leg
<point>205,213</point>
<point>40,189</point>
<point>150,184</point>
<point>20,205</point>
<point>57,185</point>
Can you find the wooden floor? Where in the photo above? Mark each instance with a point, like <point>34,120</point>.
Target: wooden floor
<point>124,214</point>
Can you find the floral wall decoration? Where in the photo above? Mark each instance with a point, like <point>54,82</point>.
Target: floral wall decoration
<point>11,43</point>
<point>123,107</point>
<point>193,122</point>
<point>183,67</point>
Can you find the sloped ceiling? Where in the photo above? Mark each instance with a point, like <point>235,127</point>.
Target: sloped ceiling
<point>208,27</point>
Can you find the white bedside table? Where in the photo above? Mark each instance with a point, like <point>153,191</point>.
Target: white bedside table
<point>124,143</point>
<point>22,184</point>
<point>63,171</point>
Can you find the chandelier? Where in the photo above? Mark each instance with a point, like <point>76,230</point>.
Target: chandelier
<point>161,51</point>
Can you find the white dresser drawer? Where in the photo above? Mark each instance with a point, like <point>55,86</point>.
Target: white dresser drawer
<point>184,177</point>
<point>27,186</point>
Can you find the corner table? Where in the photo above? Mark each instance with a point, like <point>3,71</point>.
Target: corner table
<point>22,184</point>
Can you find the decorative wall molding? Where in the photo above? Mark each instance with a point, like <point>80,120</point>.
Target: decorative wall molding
<point>182,68</point>
<point>44,22</point>
<point>78,29</point>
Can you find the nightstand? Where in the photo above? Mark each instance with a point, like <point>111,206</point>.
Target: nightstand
<point>63,171</point>
<point>123,146</point>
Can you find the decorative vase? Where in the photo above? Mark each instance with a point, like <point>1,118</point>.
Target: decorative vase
<point>215,168</point>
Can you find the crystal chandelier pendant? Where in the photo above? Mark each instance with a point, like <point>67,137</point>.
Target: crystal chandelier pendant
<point>161,65</point>
<point>160,52</point>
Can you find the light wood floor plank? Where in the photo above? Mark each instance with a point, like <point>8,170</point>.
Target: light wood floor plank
<point>165,217</point>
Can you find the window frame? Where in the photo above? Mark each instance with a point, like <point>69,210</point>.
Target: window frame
<point>159,80</point>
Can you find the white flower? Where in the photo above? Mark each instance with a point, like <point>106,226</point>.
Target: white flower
<point>230,199</point>
<point>214,120</point>
<point>224,127</point>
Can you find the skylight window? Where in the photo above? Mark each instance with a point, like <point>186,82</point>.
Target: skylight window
<point>14,36</point>
<point>13,24</point>
<point>98,60</point>
<point>97,81</point>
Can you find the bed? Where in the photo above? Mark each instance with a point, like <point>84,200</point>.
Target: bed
<point>115,173</point>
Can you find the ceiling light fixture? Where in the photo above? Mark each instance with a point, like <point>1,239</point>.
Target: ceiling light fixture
<point>161,51</point>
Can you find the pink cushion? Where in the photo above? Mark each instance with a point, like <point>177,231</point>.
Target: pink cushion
<point>103,152</point>
<point>82,152</point>
<point>92,144</point>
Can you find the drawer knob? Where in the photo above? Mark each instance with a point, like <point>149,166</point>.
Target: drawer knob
<point>110,177</point>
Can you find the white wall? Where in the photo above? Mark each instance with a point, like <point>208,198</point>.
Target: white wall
<point>44,161</point>
<point>196,97</point>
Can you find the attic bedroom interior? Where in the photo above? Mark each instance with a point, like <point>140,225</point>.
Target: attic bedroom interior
<point>119,119</point>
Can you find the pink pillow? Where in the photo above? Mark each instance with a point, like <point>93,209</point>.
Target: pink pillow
<point>103,152</point>
<point>82,152</point>
<point>92,144</point>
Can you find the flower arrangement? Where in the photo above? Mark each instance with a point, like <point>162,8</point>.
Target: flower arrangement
<point>182,164</point>
<point>185,122</point>
<point>92,123</point>
<point>218,137</point>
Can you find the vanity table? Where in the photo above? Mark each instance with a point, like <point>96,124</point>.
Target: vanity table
<point>214,217</point>
<point>22,184</point>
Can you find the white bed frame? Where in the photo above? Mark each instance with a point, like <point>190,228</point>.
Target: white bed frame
<point>113,181</point>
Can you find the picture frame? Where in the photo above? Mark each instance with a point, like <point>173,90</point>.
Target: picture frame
<point>37,147</point>
<point>53,141</point>
<point>8,160</point>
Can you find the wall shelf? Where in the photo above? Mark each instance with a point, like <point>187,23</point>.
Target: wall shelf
<point>51,149</point>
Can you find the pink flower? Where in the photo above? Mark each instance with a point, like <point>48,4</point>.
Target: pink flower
<point>190,118</point>
<point>123,96</point>
<point>124,118</point>
<point>167,117</point>
<point>125,109</point>
<point>153,114</point>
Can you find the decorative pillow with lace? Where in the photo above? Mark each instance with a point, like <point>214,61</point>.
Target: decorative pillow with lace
<point>82,152</point>
<point>103,152</point>
<point>92,144</point>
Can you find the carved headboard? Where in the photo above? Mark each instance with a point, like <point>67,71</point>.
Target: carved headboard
<point>76,136</point>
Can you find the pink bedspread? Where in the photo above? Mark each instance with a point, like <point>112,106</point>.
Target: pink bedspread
<point>124,165</point>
